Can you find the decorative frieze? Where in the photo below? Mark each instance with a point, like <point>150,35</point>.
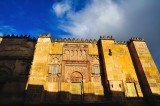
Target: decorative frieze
<point>70,69</point>
<point>75,52</point>
<point>55,59</point>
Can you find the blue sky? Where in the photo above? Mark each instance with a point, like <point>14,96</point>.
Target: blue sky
<point>33,17</point>
<point>122,19</point>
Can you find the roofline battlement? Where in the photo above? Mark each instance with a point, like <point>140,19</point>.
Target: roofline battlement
<point>121,42</point>
<point>106,38</point>
<point>44,36</point>
<point>19,37</point>
<point>73,40</point>
<point>137,39</point>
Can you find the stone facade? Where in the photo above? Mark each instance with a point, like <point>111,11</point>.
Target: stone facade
<point>16,55</point>
<point>69,71</point>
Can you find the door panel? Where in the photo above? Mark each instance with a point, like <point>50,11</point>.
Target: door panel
<point>76,91</point>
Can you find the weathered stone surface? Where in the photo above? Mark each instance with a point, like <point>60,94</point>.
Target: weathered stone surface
<point>16,55</point>
<point>119,66</point>
<point>77,71</point>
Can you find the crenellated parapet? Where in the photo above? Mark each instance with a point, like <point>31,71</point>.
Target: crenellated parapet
<point>111,38</point>
<point>44,36</point>
<point>107,37</point>
<point>137,39</point>
<point>73,40</point>
<point>19,37</point>
<point>120,42</point>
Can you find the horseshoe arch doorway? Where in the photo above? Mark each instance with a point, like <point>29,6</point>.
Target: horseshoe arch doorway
<point>76,86</point>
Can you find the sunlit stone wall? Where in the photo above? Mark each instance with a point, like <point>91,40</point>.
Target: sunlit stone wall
<point>66,71</point>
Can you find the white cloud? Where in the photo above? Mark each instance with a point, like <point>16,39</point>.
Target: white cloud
<point>121,18</point>
<point>100,17</point>
<point>61,8</point>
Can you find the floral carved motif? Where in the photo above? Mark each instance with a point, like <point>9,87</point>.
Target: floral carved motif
<point>70,69</point>
<point>55,59</point>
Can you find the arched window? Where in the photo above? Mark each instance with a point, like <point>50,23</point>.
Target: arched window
<point>75,55</point>
<point>96,69</point>
<point>71,55</point>
<point>76,77</point>
<point>55,60</point>
<point>84,55</point>
<point>54,69</point>
<point>66,55</point>
<point>79,55</point>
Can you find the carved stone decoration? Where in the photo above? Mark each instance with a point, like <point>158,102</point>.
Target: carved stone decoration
<point>79,55</point>
<point>94,59</point>
<point>54,69</point>
<point>95,67</point>
<point>76,77</point>
<point>54,72</point>
<point>75,52</point>
<point>55,59</point>
<point>71,54</point>
<point>84,55</point>
<point>69,69</point>
<point>67,57</point>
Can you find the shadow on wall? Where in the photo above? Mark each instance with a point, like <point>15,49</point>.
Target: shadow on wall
<point>149,97</point>
<point>36,95</point>
<point>16,55</point>
<point>104,78</point>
